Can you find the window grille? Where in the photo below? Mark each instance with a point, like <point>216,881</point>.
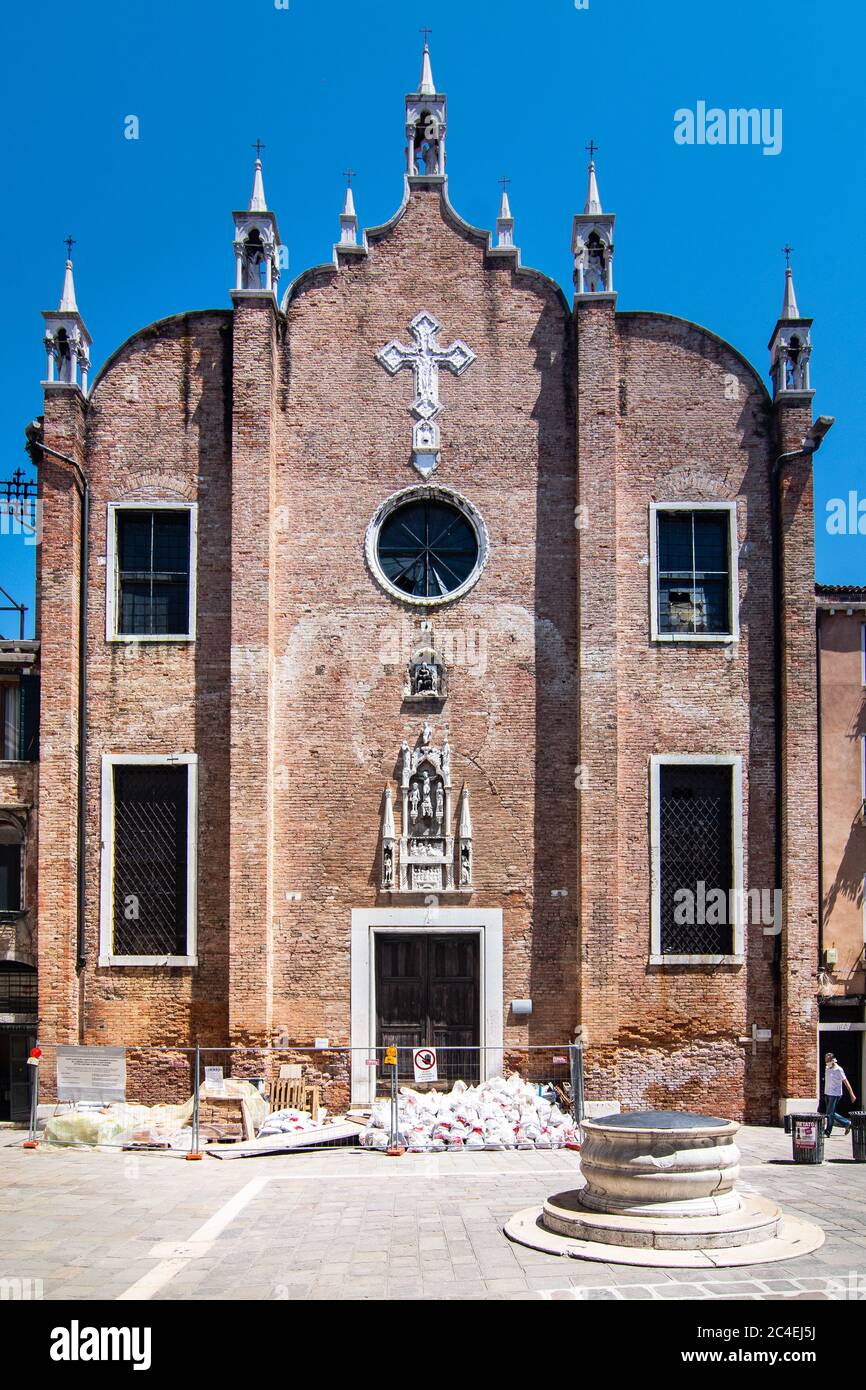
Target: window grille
<point>153,558</point>
<point>17,989</point>
<point>694,572</point>
<point>696,831</point>
<point>150,861</point>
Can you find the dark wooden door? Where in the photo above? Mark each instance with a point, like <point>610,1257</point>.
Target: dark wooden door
<point>427,994</point>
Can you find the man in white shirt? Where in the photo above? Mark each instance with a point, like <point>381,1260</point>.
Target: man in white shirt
<point>834,1080</point>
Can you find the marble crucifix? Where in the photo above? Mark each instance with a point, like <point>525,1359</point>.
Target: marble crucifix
<point>425,359</point>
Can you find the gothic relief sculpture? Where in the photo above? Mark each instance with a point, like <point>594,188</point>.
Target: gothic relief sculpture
<point>425,677</point>
<point>425,861</point>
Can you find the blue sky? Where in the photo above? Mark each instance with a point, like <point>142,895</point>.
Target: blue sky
<point>699,228</point>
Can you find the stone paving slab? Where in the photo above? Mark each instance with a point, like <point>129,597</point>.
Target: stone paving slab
<point>356,1225</point>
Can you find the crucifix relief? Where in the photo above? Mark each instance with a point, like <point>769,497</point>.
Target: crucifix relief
<point>425,359</point>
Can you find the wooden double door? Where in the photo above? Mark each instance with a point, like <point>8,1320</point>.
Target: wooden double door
<point>428,989</point>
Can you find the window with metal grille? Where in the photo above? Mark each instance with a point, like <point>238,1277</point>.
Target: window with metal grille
<point>17,988</point>
<point>694,572</point>
<point>153,572</point>
<point>696,858</point>
<point>150,860</point>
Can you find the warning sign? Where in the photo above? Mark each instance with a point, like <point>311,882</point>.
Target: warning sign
<point>424,1062</point>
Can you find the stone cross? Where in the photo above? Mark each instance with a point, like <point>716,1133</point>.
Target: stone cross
<point>425,359</point>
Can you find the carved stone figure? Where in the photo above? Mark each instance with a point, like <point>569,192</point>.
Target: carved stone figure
<point>440,804</point>
<point>388,867</point>
<point>465,865</point>
<point>414,798</point>
<point>426,796</point>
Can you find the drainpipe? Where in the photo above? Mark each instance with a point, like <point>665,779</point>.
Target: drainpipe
<point>34,442</point>
<point>810,445</point>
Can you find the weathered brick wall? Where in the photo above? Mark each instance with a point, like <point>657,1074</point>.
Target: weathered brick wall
<point>799,939</point>
<point>344,445</point>
<point>693,424</point>
<point>289,434</point>
<point>158,428</point>
<point>57,588</point>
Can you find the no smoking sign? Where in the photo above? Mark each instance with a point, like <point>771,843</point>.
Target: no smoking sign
<point>424,1062</point>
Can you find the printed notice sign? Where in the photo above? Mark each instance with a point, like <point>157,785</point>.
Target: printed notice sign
<point>424,1062</point>
<point>95,1074</point>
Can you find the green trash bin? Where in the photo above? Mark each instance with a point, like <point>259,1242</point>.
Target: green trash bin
<point>807,1134</point>
<point>858,1134</point>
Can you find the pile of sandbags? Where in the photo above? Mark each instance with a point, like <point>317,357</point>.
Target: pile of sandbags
<point>497,1114</point>
<point>292,1122</point>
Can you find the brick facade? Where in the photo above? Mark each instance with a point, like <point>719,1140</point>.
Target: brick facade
<point>287,433</point>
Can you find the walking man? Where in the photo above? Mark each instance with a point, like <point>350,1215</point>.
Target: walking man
<point>834,1080</point>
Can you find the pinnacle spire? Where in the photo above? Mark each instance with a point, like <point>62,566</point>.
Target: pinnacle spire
<point>504,206</point>
<point>349,203</point>
<point>505,221</point>
<point>593,200</point>
<point>67,298</point>
<point>426,87</point>
<point>257,200</point>
<point>789,303</point>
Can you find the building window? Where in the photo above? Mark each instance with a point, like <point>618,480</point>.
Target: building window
<point>149,867</point>
<point>426,545</point>
<point>152,561</point>
<point>17,988</point>
<point>697,857</point>
<point>9,721</point>
<point>694,593</point>
<point>11,864</point>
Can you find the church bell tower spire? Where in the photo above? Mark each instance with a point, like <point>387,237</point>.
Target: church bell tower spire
<point>257,240</point>
<point>425,124</point>
<point>592,239</point>
<point>791,343</point>
<point>67,341</point>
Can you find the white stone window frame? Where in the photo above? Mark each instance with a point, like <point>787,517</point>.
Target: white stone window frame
<point>720,638</point>
<point>735,762</point>
<point>420,492</point>
<point>367,924</point>
<point>112,573</point>
<point>110,761</point>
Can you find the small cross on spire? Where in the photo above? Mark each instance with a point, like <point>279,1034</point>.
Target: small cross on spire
<point>786,252</point>
<point>425,32</point>
<point>348,175</point>
<point>505,182</point>
<point>591,148</point>
<point>69,242</point>
<point>258,147</point>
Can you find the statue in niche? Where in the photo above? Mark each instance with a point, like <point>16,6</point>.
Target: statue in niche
<point>425,682</point>
<point>426,737</point>
<point>465,865</point>
<point>440,805</point>
<point>388,867</point>
<point>414,798</point>
<point>426,796</point>
<point>446,759</point>
<point>407,760</point>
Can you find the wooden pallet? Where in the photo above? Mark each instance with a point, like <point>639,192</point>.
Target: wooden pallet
<point>293,1094</point>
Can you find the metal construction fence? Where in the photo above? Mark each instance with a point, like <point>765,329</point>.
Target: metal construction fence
<point>187,1099</point>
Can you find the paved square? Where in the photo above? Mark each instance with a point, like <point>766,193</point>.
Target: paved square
<point>350,1224</point>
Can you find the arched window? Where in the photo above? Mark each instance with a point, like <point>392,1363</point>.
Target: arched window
<point>427,144</point>
<point>254,259</point>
